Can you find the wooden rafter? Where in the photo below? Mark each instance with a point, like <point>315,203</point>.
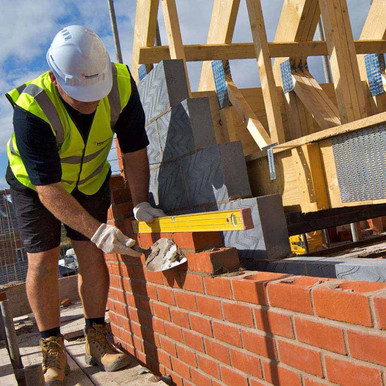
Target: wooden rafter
<point>254,125</point>
<point>144,31</point>
<point>221,30</point>
<point>173,31</point>
<point>271,99</point>
<point>343,60</point>
<point>315,99</point>
<point>206,52</point>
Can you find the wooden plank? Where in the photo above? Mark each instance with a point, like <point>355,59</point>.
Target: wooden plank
<point>315,100</point>
<point>173,32</point>
<point>144,31</point>
<point>254,125</point>
<point>271,100</point>
<point>297,23</point>
<point>344,65</point>
<point>202,52</point>
<point>310,176</point>
<point>221,30</point>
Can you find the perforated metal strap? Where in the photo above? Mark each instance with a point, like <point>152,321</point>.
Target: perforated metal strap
<point>114,98</point>
<point>49,110</point>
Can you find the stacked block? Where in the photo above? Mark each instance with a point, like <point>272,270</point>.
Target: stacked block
<point>190,173</point>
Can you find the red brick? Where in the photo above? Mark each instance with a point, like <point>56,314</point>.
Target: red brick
<point>300,357</point>
<point>362,286</point>
<point>161,311</point>
<point>218,286</point>
<point>320,335</point>
<point>195,241</point>
<point>158,326</point>
<point>252,288</point>
<point>255,382</point>
<point>209,306</point>
<point>217,351</point>
<point>191,282</point>
<point>279,375</point>
<point>117,182</point>
<point>122,210</point>
<point>246,363</point>
<point>368,347</point>
<point>115,281</point>
<point>259,344</point>
<point>217,261</point>
<point>273,322</point>
<point>314,382</point>
<point>208,366</point>
<point>180,318</point>
<point>186,355</point>
<point>238,313</point>
<point>293,294</point>
<point>200,324</point>
<point>226,333</point>
<point>345,306</point>
<point>186,301</point>
<point>177,379</point>
<point>346,373</point>
<point>200,379</point>
<point>168,345</point>
<point>181,368</point>
<point>165,295</point>
<point>120,195</point>
<point>173,332</point>
<point>380,311</point>
<point>154,277</point>
<point>232,377</point>
<point>164,358</point>
<point>193,341</point>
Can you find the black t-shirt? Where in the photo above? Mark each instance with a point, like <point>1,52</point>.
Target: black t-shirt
<point>37,143</point>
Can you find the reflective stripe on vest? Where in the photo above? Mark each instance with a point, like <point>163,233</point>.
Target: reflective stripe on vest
<point>49,109</point>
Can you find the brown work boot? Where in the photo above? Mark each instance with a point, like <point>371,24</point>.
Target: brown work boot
<point>55,366</point>
<point>100,352</point>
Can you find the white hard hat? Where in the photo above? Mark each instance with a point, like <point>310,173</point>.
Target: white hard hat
<point>80,63</point>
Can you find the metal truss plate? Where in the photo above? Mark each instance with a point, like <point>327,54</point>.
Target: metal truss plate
<point>286,76</point>
<point>360,159</point>
<point>373,67</point>
<point>220,83</point>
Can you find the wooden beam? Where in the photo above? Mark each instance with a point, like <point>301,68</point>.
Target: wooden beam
<point>344,64</point>
<point>360,124</point>
<point>310,176</point>
<point>271,99</point>
<point>173,31</point>
<point>203,52</point>
<point>221,30</point>
<point>144,31</point>
<point>297,23</point>
<point>315,99</point>
<point>254,125</point>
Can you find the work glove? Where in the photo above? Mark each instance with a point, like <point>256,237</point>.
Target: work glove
<point>111,240</point>
<point>145,212</point>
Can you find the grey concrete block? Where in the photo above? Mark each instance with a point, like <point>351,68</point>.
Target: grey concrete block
<point>163,87</point>
<point>268,240</point>
<point>154,151</point>
<point>336,267</point>
<point>167,189</point>
<point>181,130</point>
<point>216,174</point>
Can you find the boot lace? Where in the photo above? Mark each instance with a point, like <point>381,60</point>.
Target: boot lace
<point>54,350</point>
<point>100,336</point>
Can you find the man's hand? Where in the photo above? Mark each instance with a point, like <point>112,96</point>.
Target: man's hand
<point>111,240</point>
<point>145,212</point>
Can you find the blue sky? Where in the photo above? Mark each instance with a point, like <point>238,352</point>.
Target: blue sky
<point>27,28</point>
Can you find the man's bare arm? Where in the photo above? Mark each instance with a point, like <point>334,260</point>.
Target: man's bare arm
<point>137,174</point>
<point>67,209</point>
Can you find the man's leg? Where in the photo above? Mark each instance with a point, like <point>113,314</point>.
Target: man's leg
<point>43,288</point>
<point>93,289</point>
<point>93,279</point>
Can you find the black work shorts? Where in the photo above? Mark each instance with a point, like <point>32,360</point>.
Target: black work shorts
<point>40,230</point>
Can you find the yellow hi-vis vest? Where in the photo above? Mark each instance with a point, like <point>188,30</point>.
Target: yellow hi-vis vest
<point>84,165</point>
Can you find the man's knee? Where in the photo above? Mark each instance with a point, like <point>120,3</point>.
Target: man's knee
<point>43,264</point>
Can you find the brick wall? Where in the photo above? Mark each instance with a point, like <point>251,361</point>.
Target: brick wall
<point>209,323</point>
